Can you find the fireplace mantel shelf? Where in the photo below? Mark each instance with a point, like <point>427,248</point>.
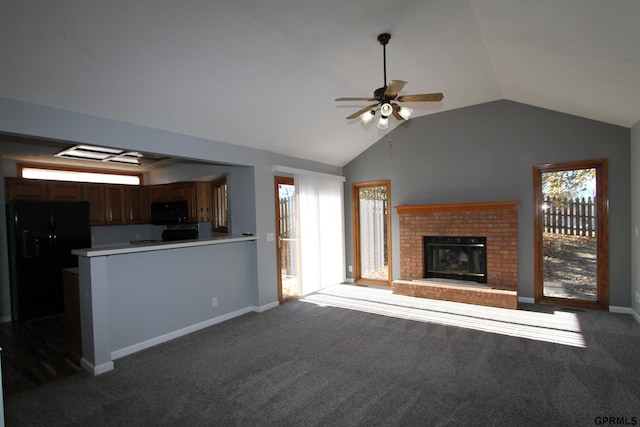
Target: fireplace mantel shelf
<point>458,207</point>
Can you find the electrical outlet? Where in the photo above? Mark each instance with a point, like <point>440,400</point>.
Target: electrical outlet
<point>214,302</point>
<point>350,269</point>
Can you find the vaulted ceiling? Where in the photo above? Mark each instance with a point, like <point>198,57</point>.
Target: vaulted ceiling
<point>265,73</point>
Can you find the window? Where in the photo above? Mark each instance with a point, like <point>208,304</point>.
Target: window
<point>54,173</point>
<point>220,208</point>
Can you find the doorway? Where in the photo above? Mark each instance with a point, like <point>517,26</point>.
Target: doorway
<point>371,232</point>
<point>289,286</point>
<point>571,234</point>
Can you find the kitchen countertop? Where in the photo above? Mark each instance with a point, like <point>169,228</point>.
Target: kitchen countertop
<point>119,249</point>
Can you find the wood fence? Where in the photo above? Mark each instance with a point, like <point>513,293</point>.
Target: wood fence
<point>569,216</point>
<point>288,233</point>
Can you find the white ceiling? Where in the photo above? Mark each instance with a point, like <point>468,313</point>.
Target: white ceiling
<point>265,73</point>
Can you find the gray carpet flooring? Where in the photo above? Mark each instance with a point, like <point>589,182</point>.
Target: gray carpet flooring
<point>361,356</point>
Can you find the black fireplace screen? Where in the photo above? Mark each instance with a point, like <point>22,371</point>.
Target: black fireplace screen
<point>461,258</point>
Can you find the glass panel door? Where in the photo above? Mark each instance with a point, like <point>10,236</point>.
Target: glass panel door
<point>372,232</point>
<point>286,226</point>
<point>571,241</point>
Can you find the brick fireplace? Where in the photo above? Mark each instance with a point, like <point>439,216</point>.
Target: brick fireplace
<point>496,221</point>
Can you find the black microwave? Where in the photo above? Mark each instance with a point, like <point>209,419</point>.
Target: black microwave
<point>164,213</point>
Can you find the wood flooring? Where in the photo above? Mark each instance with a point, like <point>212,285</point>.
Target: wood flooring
<point>35,353</point>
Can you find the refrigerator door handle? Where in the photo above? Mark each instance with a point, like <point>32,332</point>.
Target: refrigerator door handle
<point>54,237</point>
<point>51,236</point>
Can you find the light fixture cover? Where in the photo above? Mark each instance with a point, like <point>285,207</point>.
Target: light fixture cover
<point>383,123</point>
<point>367,116</point>
<point>405,112</point>
<point>386,109</point>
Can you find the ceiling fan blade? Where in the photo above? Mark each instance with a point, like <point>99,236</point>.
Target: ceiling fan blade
<point>394,87</point>
<point>359,112</point>
<point>425,97</point>
<point>396,113</point>
<point>355,99</point>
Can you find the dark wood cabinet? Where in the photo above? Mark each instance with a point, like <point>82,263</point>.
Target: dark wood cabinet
<point>158,193</point>
<point>114,204</point>
<point>34,189</point>
<point>204,202</point>
<point>106,204</point>
<point>25,189</point>
<point>137,205</point>
<point>65,191</point>
<point>178,191</point>
<point>95,194</point>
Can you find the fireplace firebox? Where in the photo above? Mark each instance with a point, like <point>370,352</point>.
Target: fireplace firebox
<point>455,257</point>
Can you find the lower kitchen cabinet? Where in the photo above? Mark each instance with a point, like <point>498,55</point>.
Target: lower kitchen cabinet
<point>71,286</point>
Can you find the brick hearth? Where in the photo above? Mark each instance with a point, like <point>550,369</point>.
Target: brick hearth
<point>497,221</point>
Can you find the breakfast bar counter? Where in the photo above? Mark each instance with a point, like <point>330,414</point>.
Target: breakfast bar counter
<point>134,296</point>
<point>157,245</point>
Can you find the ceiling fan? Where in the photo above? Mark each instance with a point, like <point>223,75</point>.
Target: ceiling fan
<point>386,98</point>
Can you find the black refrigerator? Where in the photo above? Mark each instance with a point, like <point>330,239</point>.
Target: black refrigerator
<point>41,236</point>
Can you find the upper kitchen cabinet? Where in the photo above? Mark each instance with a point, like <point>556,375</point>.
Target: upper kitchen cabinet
<point>115,204</point>
<point>197,195</point>
<point>204,202</point>
<point>35,189</point>
<point>174,192</point>
<point>137,205</point>
<point>65,191</point>
<point>96,195</point>
<point>25,189</point>
<point>107,204</point>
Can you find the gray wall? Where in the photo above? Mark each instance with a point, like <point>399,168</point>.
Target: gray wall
<point>157,293</point>
<point>635,218</point>
<point>486,153</point>
<point>256,188</point>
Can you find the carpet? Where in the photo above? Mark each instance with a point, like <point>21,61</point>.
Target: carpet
<point>350,355</point>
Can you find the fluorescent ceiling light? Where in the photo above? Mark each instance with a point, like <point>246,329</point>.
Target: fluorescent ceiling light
<point>77,176</point>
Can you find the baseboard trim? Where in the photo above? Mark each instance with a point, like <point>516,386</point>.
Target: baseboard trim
<point>265,307</point>
<point>348,280</point>
<point>527,300</point>
<point>96,370</point>
<point>624,310</point>
<point>176,334</point>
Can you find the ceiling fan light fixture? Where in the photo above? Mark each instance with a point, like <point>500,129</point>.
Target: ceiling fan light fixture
<point>386,109</point>
<point>383,123</point>
<point>387,96</point>
<point>367,116</point>
<point>405,112</point>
